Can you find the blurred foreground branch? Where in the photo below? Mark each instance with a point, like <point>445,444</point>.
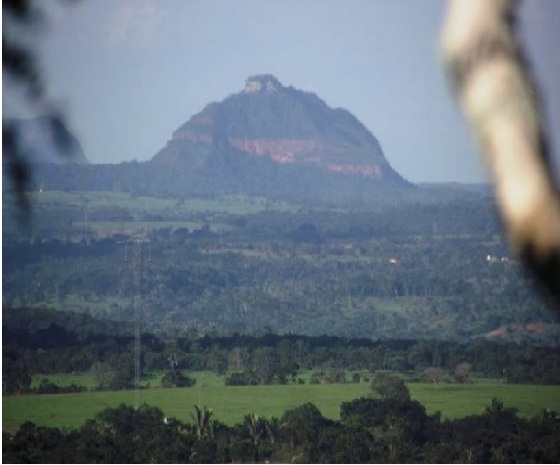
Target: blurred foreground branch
<point>22,18</point>
<point>492,80</point>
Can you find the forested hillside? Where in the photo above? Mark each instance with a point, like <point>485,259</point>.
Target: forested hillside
<point>243,265</point>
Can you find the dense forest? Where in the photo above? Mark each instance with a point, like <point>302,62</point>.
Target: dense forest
<point>435,270</point>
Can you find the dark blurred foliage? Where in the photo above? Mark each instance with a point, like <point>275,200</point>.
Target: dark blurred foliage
<point>21,64</point>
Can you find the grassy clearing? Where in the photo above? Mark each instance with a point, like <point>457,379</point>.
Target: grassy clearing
<point>190,213</point>
<point>230,404</point>
<point>400,306</point>
<point>108,228</point>
<point>98,305</point>
<point>457,400</point>
<point>231,204</point>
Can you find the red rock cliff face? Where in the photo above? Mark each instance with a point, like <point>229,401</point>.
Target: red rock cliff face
<point>282,150</point>
<point>304,151</point>
<point>288,151</point>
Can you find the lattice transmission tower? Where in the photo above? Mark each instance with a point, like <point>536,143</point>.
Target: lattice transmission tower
<point>138,273</point>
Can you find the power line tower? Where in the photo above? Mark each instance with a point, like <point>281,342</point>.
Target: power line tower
<point>138,271</point>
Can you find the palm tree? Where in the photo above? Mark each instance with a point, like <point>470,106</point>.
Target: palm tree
<point>257,428</point>
<point>496,407</point>
<point>273,429</point>
<point>499,412</point>
<point>203,422</point>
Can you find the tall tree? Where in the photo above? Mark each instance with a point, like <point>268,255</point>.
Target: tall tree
<point>203,421</point>
<point>390,387</point>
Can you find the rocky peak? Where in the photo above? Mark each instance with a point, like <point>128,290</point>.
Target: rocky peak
<point>262,83</point>
<point>270,127</point>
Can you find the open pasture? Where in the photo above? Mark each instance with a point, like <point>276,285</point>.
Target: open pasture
<point>91,200</point>
<point>231,403</point>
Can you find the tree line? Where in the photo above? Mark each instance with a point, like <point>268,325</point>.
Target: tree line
<point>71,344</point>
<point>386,427</point>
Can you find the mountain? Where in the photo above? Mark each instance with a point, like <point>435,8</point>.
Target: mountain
<point>266,140</point>
<point>274,139</point>
<point>288,126</point>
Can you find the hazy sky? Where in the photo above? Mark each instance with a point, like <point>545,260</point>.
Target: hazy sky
<point>127,73</point>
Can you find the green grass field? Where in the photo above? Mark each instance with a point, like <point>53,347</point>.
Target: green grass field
<point>230,404</point>
<point>191,213</point>
<point>232,204</point>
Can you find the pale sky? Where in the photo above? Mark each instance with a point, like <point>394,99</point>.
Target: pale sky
<point>127,73</point>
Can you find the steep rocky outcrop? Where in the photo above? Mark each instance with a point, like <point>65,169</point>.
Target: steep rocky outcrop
<point>285,126</point>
